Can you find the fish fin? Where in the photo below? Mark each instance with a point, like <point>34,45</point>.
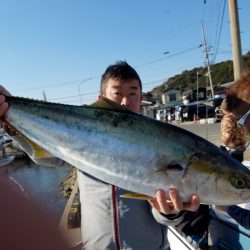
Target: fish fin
<point>105,103</point>
<point>136,196</point>
<point>172,166</point>
<point>39,152</point>
<point>30,147</point>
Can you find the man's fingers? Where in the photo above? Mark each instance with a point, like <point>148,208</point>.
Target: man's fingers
<point>176,199</point>
<point>2,99</point>
<point>174,204</point>
<point>161,198</point>
<point>193,205</point>
<point>154,204</point>
<point>3,105</point>
<point>3,91</point>
<point>3,108</point>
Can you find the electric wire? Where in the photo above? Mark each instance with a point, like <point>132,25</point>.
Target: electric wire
<point>219,34</point>
<point>166,57</point>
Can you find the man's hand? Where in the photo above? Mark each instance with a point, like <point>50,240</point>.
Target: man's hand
<point>175,204</point>
<point>3,105</point>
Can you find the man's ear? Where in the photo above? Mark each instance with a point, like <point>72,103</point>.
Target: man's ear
<point>100,96</point>
<point>141,97</point>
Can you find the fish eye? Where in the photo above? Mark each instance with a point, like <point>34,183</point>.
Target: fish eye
<point>238,182</point>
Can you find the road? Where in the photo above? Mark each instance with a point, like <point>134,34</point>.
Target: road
<point>210,132</point>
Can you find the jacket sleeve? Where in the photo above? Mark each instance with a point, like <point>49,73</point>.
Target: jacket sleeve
<point>190,223</point>
<point>241,215</point>
<point>169,220</point>
<point>228,126</point>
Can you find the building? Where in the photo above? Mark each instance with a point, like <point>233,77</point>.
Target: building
<point>171,97</point>
<point>191,95</point>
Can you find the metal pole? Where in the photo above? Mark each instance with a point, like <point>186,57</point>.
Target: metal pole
<point>197,94</point>
<point>80,94</point>
<point>79,87</point>
<point>207,61</point>
<point>235,36</point>
<point>44,96</point>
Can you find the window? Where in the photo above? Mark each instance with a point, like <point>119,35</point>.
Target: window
<point>172,97</point>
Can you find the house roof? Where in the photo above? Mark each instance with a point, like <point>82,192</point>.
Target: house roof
<point>170,91</point>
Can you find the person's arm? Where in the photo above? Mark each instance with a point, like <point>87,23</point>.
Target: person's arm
<point>171,219</point>
<point>3,105</point>
<point>240,215</point>
<point>31,225</point>
<point>25,144</point>
<point>227,129</point>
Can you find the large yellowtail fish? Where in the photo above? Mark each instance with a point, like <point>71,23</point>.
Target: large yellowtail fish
<point>129,150</point>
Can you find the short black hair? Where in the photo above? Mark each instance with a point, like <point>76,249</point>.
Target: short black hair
<point>121,70</point>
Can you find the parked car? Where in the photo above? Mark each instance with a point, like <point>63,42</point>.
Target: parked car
<point>215,102</point>
<point>204,111</point>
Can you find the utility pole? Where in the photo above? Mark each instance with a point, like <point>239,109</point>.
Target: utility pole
<point>235,36</point>
<point>205,50</point>
<point>197,94</point>
<point>44,96</point>
<point>79,87</point>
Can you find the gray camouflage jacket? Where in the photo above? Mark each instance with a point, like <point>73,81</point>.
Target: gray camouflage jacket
<point>111,222</point>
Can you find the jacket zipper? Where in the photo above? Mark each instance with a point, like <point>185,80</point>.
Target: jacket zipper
<point>115,214</point>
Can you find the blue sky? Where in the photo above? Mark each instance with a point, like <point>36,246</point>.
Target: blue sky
<point>61,46</point>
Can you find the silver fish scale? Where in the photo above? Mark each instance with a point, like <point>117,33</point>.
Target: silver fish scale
<point>131,151</point>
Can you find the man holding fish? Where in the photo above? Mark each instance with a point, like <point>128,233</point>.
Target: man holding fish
<point>131,152</point>
<point>132,220</point>
<point>110,222</point>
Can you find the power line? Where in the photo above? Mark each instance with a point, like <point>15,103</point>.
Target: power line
<point>96,93</point>
<point>219,35</point>
<point>153,82</point>
<point>98,76</point>
<point>166,57</point>
<point>72,96</point>
<point>217,25</point>
<point>57,84</point>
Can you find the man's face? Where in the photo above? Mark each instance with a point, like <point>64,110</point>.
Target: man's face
<point>124,92</point>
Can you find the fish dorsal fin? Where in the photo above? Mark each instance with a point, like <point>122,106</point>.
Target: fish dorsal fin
<point>105,103</point>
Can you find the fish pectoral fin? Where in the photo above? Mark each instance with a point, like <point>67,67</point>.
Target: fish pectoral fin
<point>32,149</point>
<point>172,166</point>
<point>39,152</point>
<point>136,196</point>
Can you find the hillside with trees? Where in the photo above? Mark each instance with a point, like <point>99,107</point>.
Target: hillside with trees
<point>221,73</point>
